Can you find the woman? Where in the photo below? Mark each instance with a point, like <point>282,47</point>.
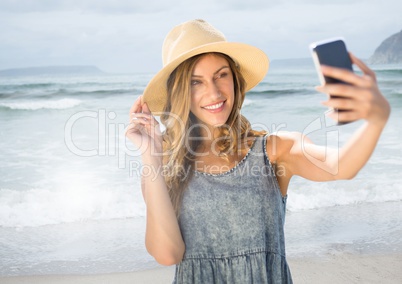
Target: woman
<point>216,199</point>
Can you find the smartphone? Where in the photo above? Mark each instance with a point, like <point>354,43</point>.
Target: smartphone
<point>332,52</point>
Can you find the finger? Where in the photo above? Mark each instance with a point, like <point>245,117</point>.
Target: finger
<point>147,111</point>
<point>143,126</point>
<point>343,116</point>
<point>145,119</point>
<point>136,107</point>
<point>342,74</point>
<point>146,108</point>
<point>137,125</point>
<point>340,103</point>
<point>137,115</point>
<point>142,120</point>
<point>132,127</point>
<point>362,66</point>
<point>340,90</point>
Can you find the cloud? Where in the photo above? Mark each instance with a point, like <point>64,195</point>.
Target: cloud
<point>85,6</point>
<point>236,5</point>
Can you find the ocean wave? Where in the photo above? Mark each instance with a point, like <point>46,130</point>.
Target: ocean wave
<point>26,86</point>
<point>280,92</point>
<point>67,88</point>
<point>36,105</point>
<point>319,195</point>
<point>39,207</point>
<point>97,92</point>
<point>390,71</point>
<point>65,91</point>
<point>247,102</point>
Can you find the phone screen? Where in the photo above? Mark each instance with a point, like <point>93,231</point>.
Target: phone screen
<point>333,53</point>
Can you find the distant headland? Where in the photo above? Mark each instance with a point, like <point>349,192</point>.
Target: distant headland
<point>389,51</point>
<point>53,70</point>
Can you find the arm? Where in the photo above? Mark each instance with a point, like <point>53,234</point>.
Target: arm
<point>163,238</point>
<point>362,100</point>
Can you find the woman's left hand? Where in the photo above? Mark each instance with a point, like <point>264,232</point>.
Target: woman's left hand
<point>360,99</point>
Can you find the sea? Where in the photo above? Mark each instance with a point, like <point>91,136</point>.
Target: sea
<point>70,197</point>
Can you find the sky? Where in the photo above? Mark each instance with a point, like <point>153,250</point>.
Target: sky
<point>126,36</point>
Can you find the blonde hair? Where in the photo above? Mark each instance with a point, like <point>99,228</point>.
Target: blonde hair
<point>180,123</point>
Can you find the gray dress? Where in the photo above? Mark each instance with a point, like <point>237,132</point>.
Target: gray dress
<point>232,225</point>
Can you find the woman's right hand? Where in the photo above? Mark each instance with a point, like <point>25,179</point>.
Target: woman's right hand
<point>143,130</point>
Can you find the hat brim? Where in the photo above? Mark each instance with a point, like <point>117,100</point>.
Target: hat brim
<point>253,63</point>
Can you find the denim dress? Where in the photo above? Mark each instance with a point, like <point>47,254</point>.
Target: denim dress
<point>232,225</point>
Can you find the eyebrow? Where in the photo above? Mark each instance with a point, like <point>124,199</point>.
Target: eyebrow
<point>217,71</point>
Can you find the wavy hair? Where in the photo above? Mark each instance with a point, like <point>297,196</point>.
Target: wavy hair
<point>181,124</point>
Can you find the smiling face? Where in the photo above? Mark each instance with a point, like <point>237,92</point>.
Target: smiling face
<point>212,90</point>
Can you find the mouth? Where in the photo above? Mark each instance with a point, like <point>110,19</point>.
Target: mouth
<point>215,107</point>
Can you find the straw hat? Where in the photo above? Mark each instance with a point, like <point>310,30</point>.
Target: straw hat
<point>196,37</point>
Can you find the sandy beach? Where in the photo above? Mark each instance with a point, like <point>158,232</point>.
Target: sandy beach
<point>348,268</point>
<point>336,268</point>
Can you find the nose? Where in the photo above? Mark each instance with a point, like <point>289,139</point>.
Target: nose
<point>213,90</point>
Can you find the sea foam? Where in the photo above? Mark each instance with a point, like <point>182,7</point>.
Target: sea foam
<point>36,105</point>
<point>39,207</point>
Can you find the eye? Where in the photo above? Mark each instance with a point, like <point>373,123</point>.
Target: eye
<point>195,82</point>
<point>221,75</point>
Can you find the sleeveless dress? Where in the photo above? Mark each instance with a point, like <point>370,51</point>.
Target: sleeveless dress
<point>232,225</point>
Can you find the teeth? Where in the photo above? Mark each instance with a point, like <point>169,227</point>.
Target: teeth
<point>214,106</point>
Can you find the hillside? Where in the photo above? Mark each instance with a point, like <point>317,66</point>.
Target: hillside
<point>52,70</point>
<point>389,51</point>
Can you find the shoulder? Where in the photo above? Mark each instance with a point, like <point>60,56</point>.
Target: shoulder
<point>282,143</point>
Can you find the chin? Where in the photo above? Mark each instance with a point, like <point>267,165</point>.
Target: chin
<point>213,121</point>
<point>218,124</point>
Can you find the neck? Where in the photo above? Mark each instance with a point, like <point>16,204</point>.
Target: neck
<point>209,143</point>
<point>209,136</point>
